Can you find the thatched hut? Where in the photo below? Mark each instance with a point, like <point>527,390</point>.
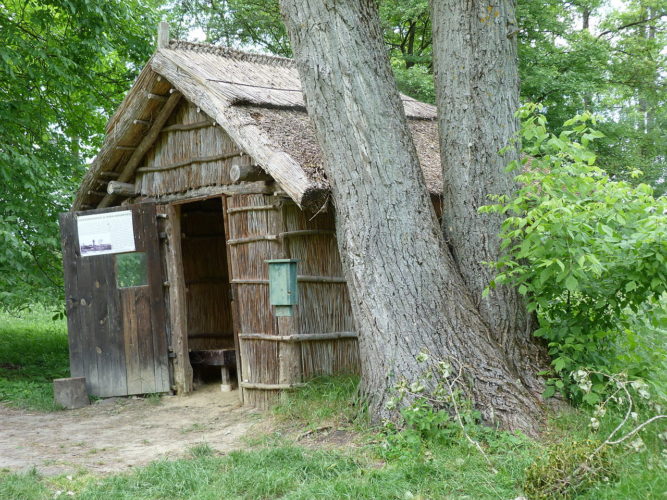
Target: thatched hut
<point>208,169</point>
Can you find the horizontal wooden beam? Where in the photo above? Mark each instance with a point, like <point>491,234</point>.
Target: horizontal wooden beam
<point>306,232</point>
<point>286,234</point>
<point>321,279</point>
<point>299,337</point>
<point>188,126</point>
<point>188,162</point>
<point>252,209</point>
<point>207,192</point>
<point>269,387</point>
<point>301,278</point>
<point>241,172</point>
<point>252,239</point>
<point>121,188</point>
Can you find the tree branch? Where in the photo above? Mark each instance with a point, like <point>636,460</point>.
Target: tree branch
<point>630,25</point>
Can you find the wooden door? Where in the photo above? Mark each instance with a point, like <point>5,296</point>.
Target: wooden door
<point>115,303</point>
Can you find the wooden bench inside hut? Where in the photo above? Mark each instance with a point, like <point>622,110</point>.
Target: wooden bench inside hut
<point>209,173</point>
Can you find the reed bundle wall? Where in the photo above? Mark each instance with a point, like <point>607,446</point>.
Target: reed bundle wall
<point>190,153</point>
<point>264,227</point>
<point>324,304</point>
<point>259,358</point>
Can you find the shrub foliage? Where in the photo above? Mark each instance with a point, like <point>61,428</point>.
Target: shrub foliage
<point>589,254</point>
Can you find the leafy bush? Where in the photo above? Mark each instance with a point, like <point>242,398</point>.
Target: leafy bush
<point>416,81</point>
<point>557,473</point>
<point>589,254</point>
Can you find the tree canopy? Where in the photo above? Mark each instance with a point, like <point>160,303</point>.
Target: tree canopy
<point>65,65</point>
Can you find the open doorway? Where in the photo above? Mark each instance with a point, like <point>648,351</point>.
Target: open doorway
<point>210,330</point>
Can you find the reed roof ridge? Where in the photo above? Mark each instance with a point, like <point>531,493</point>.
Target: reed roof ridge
<point>222,51</point>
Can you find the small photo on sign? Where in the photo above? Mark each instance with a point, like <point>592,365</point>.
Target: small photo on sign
<point>105,233</point>
<point>96,243</point>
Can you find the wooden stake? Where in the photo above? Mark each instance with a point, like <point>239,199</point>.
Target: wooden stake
<point>163,35</point>
<point>289,353</point>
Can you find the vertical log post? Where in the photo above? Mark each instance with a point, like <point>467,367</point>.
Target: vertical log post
<point>231,273</point>
<point>177,303</point>
<point>289,353</point>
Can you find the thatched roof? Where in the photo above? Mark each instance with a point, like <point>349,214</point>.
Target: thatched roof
<point>256,99</point>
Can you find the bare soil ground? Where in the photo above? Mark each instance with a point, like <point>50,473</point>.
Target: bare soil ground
<point>116,434</point>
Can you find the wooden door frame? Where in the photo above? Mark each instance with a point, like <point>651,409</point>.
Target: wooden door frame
<point>178,312</point>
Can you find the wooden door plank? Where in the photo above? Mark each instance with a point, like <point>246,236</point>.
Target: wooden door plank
<point>86,320</point>
<point>107,327</point>
<point>70,245</point>
<point>156,299</point>
<point>145,341</point>
<point>131,337</point>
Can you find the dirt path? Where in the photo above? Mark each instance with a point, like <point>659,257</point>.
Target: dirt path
<point>116,434</point>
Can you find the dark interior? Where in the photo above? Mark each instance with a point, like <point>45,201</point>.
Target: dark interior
<point>209,318</point>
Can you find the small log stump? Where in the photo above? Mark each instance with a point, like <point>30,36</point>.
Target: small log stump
<point>228,384</point>
<point>71,392</point>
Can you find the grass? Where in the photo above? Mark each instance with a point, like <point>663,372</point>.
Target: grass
<point>634,475</point>
<point>329,401</point>
<point>289,472</point>
<point>379,466</point>
<point>373,465</point>
<point>33,351</point>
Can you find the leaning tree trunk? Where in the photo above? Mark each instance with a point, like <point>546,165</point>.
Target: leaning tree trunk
<point>406,293</point>
<point>477,93</point>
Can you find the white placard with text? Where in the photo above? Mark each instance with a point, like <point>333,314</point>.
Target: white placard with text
<point>101,234</point>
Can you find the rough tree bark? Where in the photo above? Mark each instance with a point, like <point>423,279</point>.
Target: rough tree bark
<point>477,93</point>
<point>406,293</point>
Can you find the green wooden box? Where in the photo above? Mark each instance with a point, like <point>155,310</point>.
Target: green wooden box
<point>283,289</point>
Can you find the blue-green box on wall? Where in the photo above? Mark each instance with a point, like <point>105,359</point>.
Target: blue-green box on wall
<point>283,289</point>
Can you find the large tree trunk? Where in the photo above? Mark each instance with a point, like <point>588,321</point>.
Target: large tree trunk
<point>477,93</point>
<point>406,293</point>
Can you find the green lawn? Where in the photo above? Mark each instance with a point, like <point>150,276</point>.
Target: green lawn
<point>291,462</point>
<point>33,351</point>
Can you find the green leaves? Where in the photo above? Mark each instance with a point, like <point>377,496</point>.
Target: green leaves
<point>588,252</point>
<point>64,67</point>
